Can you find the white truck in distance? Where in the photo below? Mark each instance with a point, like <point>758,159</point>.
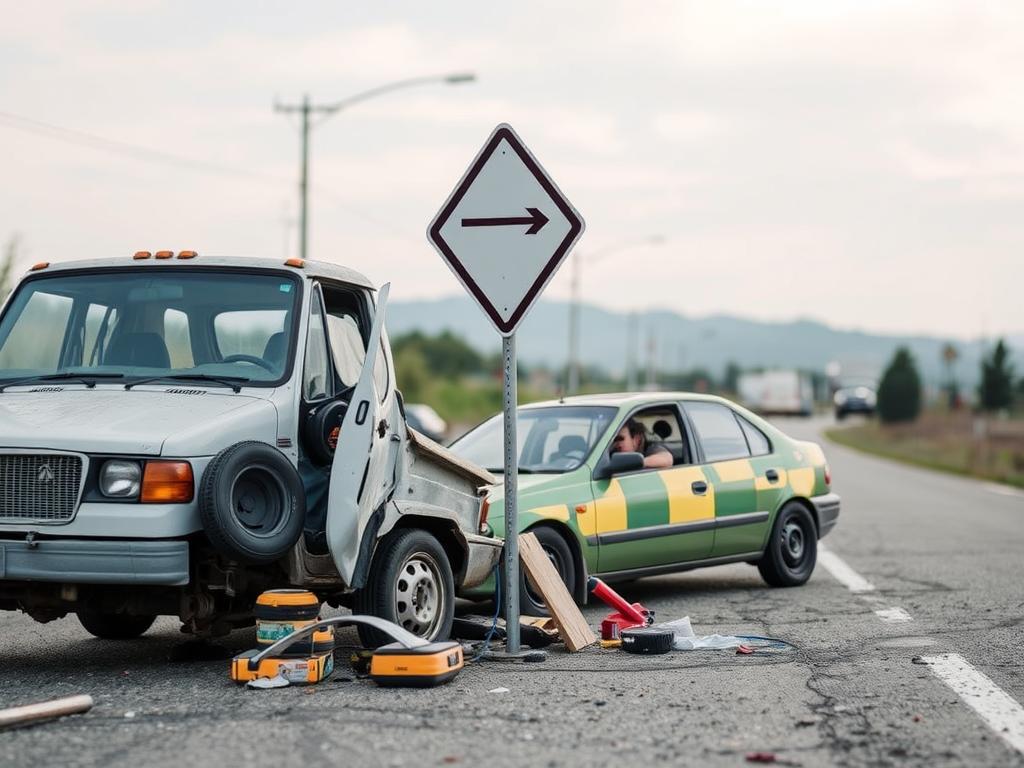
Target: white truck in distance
<point>180,433</point>
<point>787,393</point>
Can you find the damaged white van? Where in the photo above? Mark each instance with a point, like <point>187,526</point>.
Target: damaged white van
<point>180,433</point>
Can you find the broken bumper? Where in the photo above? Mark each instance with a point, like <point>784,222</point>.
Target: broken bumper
<point>78,561</point>
<point>482,554</point>
<point>827,507</point>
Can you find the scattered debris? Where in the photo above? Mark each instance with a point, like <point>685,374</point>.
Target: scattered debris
<point>918,718</point>
<point>626,615</point>
<point>499,690</point>
<point>572,626</point>
<point>769,757</point>
<point>129,715</point>
<point>744,650</point>
<point>29,714</point>
<point>261,683</point>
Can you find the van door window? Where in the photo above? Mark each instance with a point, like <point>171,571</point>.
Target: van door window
<point>317,371</point>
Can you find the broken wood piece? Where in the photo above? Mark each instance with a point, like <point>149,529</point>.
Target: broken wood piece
<point>572,626</point>
<point>46,710</point>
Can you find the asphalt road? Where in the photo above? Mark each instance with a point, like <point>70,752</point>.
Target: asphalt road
<point>945,550</point>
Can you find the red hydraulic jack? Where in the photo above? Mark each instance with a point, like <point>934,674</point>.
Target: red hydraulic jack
<point>627,615</point>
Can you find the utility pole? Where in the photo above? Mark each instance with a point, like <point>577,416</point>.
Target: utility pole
<point>307,108</point>
<point>632,340</point>
<point>650,385</point>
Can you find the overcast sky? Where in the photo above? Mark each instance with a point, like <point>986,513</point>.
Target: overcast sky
<point>861,163</point>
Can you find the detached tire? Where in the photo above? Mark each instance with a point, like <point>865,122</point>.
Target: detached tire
<point>560,554</point>
<point>115,626</point>
<point>792,548</point>
<point>411,584</point>
<point>252,503</point>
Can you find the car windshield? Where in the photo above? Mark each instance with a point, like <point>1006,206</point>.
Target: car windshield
<point>150,324</point>
<point>551,439</point>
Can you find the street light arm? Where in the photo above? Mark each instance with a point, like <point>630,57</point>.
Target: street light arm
<point>453,79</point>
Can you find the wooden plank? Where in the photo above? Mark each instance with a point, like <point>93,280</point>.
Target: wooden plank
<point>47,710</point>
<point>572,626</point>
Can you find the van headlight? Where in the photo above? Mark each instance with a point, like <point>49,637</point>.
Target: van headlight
<point>120,479</point>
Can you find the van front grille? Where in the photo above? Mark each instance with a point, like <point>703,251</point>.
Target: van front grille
<point>39,487</point>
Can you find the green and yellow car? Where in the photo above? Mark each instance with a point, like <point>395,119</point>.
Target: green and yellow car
<point>735,490</point>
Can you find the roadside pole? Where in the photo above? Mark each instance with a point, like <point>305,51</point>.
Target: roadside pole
<point>510,573</point>
<point>505,260</point>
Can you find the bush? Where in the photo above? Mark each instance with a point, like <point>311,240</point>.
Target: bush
<point>995,392</point>
<point>899,392</point>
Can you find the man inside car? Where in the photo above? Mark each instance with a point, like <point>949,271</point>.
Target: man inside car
<point>633,438</point>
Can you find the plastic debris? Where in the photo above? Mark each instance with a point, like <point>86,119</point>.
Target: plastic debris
<point>744,650</point>
<point>499,690</point>
<point>264,683</point>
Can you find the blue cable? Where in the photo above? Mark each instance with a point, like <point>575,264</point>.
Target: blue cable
<point>776,642</point>
<point>494,622</point>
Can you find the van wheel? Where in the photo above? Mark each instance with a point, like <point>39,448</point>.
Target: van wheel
<point>531,603</point>
<point>115,626</point>
<point>411,584</point>
<point>252,503</point>
<point>792,548</point>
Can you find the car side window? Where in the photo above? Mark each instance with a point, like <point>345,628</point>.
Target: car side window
<point>316,373</point>
<point>718,431</point>
<point>663,428</point>
<point>756,439</point>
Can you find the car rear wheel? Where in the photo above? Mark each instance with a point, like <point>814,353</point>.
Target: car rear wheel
<point>792,548</point>
<point>115,626</point>
<point>411,584</point>
<point>531,603</point>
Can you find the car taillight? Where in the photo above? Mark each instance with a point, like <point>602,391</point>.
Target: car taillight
<point>485,508</point>
<point>167,482</point>
<point>828,475</point>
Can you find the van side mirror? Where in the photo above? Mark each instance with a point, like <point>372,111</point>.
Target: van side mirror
<point>625,461</point>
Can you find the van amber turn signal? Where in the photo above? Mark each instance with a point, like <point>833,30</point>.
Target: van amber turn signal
<point>167,482</point>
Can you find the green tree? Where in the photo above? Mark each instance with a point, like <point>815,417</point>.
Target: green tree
<point>412,375</point>
<point>899,392</point>
<point>446,355</point>
<point>995,392</point>
<point>730,381</point>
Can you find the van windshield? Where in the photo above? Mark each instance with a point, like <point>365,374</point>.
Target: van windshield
<point>148,324</point>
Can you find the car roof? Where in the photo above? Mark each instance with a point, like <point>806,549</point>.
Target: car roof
<point>310,268</point>
<point>627,399</point>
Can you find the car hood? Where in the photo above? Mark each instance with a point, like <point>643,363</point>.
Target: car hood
<point>536,491</point>
<point>136,422</point>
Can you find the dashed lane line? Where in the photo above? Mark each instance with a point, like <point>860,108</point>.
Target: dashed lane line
<point>843,573</point>
<point>996,707</point>
<point>893,615</point>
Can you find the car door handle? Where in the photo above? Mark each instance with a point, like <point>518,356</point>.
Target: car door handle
<point>699,487</point>
<point>772,475</point>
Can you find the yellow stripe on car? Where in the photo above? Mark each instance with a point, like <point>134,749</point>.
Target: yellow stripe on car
<point>734,471</point>
<point>611,509</point>
<point>801,480</point>
<point>762,483</point>
<point>683,505</point>
<point>552,512</point>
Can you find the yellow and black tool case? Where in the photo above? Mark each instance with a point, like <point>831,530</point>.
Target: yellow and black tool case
<point>425,666</point>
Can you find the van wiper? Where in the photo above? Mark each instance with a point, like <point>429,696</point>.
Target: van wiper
<point>89,379</point>
<point>234,382</point>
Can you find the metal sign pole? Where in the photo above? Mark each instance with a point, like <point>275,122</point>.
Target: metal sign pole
<point>510,587</point>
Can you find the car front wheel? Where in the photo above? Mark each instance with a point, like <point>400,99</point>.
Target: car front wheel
<point>792,548</point>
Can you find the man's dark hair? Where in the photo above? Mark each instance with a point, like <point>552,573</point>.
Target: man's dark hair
<point>636,427</point>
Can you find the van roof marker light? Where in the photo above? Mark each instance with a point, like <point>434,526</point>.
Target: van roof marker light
<point>297,263</point>
<point>187,255</point>
<point>163,254</point>
<point>39,266</point>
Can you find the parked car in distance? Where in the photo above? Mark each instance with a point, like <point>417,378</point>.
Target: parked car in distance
<point>738,490</point>
<point>859,399</point>
<point>426,420</point>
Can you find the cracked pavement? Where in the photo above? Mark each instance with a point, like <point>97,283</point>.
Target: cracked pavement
<point>853,691</point>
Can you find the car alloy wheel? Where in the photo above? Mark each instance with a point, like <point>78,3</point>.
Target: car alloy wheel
<point>419,597</point>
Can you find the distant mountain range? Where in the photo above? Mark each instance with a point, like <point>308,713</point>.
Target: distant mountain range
<point>682,342</point>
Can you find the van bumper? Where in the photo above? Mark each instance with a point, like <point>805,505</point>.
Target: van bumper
<point>827,507</point>
<point>482,554</point>
<point>89,561</point>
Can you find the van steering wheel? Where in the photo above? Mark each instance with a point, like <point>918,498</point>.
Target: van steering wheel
<point>250,359</point>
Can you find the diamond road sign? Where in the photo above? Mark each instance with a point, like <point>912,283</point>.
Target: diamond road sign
<point>505,230</point>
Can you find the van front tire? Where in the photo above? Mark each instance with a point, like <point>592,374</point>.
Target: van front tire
<point>410,584</point>
<point>115,626</point>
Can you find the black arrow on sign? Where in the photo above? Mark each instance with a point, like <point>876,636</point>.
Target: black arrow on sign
<point>536,220</point>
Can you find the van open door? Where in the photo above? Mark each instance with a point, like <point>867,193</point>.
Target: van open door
<point>361,474</point>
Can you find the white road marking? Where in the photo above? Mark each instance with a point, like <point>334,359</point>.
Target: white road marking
<point>998,709</point>
<point>843,573</point>
<point>1004,490</point>
<point>893,615</point>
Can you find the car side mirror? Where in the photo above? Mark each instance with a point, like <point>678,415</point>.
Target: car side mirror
<point>625,461</point>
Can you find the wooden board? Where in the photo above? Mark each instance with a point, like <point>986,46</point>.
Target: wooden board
<point>572,626</point>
